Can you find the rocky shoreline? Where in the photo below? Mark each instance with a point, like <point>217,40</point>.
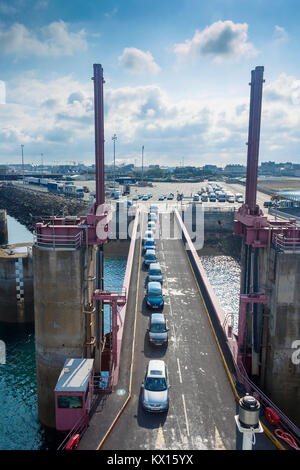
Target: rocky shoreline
<point>29,207</point>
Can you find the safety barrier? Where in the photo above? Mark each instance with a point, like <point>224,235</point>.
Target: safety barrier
<point>284,243</point>
<point>58,242</point>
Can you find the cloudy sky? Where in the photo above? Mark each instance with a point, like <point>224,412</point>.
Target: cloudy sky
<point>176,71</point>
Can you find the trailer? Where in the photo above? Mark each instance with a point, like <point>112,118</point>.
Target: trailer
<point>52,187</point>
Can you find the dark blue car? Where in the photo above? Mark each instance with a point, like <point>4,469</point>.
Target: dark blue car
<point>154,297</point>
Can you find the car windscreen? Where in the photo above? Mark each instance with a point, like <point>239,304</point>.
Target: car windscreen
<point>155,272</point>
<point>156,384</point>
<point>158,328</point>
<point>150,256</point>
<point>154,295</point>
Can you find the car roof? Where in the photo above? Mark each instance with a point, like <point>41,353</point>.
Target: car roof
<point>154,286</point>
<point>149,240</point>
<point>156,366</point>
<point>158,318</point>
<point>150,252</point>
<point>154,266</point>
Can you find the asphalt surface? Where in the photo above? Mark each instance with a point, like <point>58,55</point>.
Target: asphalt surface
<point>202,405</point>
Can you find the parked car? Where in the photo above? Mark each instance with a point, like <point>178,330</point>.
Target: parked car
<point>155,273</point>
<point>155,394</point>
<point>149,244</point>
<point>148,234</point>
<point>204,198</point>
<point>151,226</point>
<point>150,257</point>
<point>158,330</point>
<point>145,197</point>
<point>152,217</point>
<point>135,197</point>
<point>230,199</point>
<point>170,196</point>
<point>154,297</point>
<point>162,197</point>
<point>196,197</point>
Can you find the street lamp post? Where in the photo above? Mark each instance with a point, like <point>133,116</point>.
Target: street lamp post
<point>114,138</point>
<point>22,146</point>
<point>142,163</point>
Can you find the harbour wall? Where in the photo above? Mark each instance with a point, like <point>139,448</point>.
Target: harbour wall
<point>3,228</point>
<point>29,206</point>
<point>16,284</point>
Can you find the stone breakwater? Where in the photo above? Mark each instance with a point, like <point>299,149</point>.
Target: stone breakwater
<point>29,206</point>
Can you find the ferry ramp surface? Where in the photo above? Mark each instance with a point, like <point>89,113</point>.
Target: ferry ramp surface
<point>202,405</point>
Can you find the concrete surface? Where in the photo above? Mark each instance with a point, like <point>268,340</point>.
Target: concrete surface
<point>16,284</point>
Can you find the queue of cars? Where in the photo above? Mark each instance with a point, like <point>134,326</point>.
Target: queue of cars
<point>216,192</point>
<point>155,387</point>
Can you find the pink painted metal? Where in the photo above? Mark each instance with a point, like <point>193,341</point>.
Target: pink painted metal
<point>114,300</point>
<point>99,135</point>
<point>117,301</point>
<point>253,138</point>
<point>245,299</point>
<point>75,380</point>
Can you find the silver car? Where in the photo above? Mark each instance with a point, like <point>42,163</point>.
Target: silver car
<point>155,395</point>
<point>158,330</point>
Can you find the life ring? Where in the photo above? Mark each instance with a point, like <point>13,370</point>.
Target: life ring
<point>73,442</point>
<point>272,416</point>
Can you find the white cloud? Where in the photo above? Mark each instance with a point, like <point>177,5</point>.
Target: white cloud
<point>55,40</point>
<point>280,34</point>
<point>2,92</point>
<point>221,40</point>
<point>111,13</point>
<point>137,61</point>
<point>57,117</point>
<point>286,89</point>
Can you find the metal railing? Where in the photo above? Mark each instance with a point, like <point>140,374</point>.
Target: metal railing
<point>283,215</point>
<point>284,243</point>
<point>58,242</point>
<point>103,383</point>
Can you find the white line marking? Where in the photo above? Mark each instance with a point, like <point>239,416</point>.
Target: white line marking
<point>185,414</point>
<point>179,371</point>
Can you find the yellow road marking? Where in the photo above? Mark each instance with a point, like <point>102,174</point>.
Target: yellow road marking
<point>160,440</point>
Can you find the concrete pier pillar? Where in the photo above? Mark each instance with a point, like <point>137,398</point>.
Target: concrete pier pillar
<point>16,284</point>
<point>62,328</point>
<point>280,373</point>
<point>3,228</point>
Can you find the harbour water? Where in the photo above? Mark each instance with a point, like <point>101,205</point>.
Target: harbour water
<point>224,273</point>
<point>19,425</point>
<point>292,193</point>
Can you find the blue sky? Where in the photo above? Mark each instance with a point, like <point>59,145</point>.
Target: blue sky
<point>176,71</point>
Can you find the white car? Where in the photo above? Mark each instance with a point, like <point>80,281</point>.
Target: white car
<point>155,395</point>
<point>148,234</point>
